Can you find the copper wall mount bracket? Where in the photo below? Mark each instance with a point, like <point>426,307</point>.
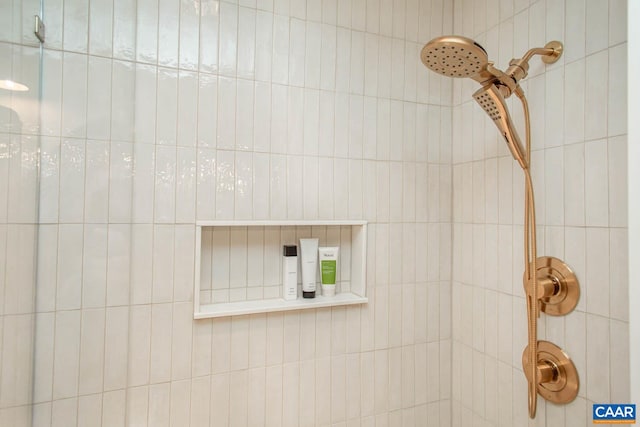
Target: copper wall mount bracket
<point>557,380</point>
<point>558,286</point>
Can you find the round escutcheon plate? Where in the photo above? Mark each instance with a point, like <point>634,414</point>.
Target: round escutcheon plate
<point>564,386</point>
<point>568,294</point>
<point>557,47</point>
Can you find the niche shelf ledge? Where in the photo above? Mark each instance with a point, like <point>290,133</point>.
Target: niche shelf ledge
<point>349,234</point>
<point>271,305</point>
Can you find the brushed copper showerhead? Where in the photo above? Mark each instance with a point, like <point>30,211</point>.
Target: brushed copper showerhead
<point>456,56</point>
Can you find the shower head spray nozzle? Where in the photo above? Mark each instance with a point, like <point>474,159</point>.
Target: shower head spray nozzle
<point>456,56</point>
<point>492,102</point>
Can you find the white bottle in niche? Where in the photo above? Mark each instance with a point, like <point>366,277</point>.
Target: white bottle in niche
<point>289,272</point>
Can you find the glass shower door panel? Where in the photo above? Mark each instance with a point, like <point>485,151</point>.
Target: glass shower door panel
<point>20,61</point>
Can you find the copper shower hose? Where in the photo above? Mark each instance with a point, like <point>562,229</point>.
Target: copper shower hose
<point>530,254</point>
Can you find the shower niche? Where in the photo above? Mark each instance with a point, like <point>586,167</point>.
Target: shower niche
<point>238,265</point>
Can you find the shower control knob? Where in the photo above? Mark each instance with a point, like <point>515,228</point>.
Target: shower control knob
<point>558,287</point>
<point>557,378</point>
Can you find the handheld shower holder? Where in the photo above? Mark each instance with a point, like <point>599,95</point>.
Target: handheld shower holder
<point>519,67</point>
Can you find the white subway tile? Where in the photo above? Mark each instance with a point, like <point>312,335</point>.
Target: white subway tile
<point>228,38</point>
<point>295,121</point>
<point>596,187</point>
<point>246,42</point>
<point>280,56</point>
<point>186,185</point>
<point>244,115</point>
<point>118,264</point>
<point>159,398</point>
<point>261,184</point>
<point>99,98</point>
<point>326,139</point>
<point>325,187</point>
<point>63,412</point>
<point>596,99</point>
<point>244,186</point>
<point>89,410</point>
<point>165,184</point>
<point>124,29</point>
<point>297,36</point>
<point>617,118</point>
<point>617,22</point>
<point>343,57</point>
<point>146,31</point>
<point>66,354</point>
<point>122,107</point>
<point>120,182</point>
<point>116,347</point>
<point>396,150</point>
<point>145,112</point>
<point>340,188</point>
<point>618,378</point>
<point>312,56</point>
<point>76,25</point>
<point>617,158</point>
<point>597,271</point>
<point>187,113</point>
<point>341,147</point>
<point>295,187</point>
<point>91,351</point>
<point>180,402</point>
<point>74,95</point>
<point>161,322</point>
<point>169,36</point>
<point>209,27</point>
<point>205,184</point>
<point>139,345</point>
<point>262,117</point>
<point>273,395</point>
<point>328,54</point>
<point>137,405</point>
<point>397,66</point>
<point>163,256</point>
<point>597,375</point>
<point>356,118</point>
<point>618,274</point>
<point>279,122</point>
<point>225,184</point>
<point>181,342</point>
<point>200,400</point>
<point>278,186</point>
<point>189,35</point>
<point>597,26</point>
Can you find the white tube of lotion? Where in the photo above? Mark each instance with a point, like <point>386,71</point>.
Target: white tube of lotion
<point>309,264</point>
<point>328,268</point>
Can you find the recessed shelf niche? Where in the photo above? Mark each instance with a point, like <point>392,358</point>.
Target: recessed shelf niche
<point>239,265</point>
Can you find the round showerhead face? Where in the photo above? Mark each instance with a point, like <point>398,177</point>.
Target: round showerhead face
<point>454,56</point>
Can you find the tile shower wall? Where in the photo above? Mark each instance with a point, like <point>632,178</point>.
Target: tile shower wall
<point>19,141</point>
<point>579,171</point>
<point>160,113</point>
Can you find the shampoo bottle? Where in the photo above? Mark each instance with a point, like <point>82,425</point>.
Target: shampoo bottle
<point>289,272</point>
<point>309,263</point>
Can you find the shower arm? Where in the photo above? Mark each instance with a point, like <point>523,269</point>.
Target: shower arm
<point>508,81</point>
<point>518,68</point>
